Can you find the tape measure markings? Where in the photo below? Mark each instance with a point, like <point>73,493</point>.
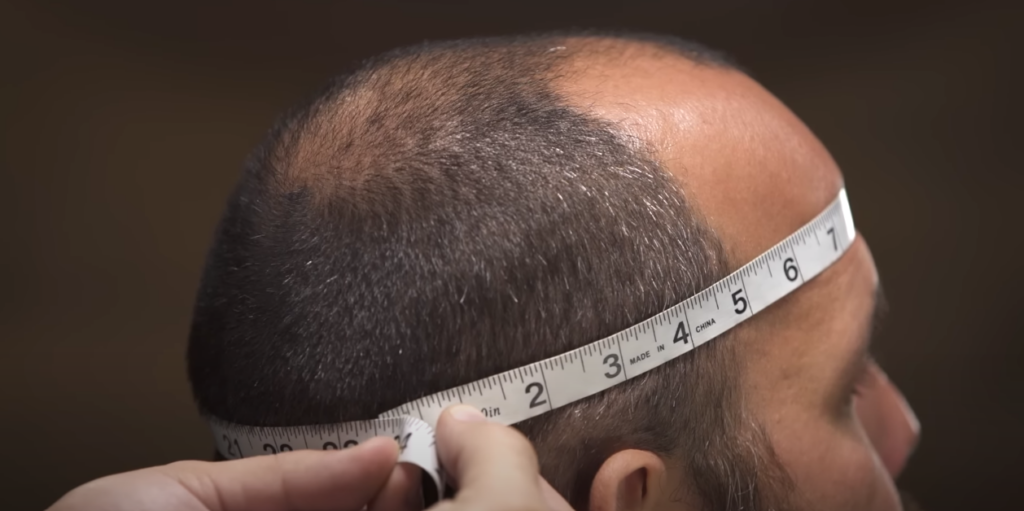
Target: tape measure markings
<point>555,382</point>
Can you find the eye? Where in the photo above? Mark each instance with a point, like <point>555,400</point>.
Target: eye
<point>855,390</point>
<point>858,384</point>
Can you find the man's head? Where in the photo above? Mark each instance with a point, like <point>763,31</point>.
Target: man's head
<point>448,212</point>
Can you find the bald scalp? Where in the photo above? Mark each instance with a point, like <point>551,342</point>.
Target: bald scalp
<point>442,214</point>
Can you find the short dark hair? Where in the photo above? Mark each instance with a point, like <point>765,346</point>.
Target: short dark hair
<point>440,215</point>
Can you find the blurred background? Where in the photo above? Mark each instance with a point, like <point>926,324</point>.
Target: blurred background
<point>123,127</point>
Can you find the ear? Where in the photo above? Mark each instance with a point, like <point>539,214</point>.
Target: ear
<point>629,480</point>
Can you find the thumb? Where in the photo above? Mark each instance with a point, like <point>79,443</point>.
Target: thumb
<point>494,466</point>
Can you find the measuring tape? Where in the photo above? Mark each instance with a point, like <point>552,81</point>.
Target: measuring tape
<point>528,391</point>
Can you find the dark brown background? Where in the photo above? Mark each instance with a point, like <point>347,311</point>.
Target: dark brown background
<point>123,128</point>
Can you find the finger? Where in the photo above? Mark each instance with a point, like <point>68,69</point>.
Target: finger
<point>344,480</point>
<point>402,491</point>
<point>494,466</point>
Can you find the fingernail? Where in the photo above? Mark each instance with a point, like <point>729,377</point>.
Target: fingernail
<point>467,413</point>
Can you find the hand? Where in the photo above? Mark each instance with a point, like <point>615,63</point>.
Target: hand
<point>494,468</point>
<point>344,480</point>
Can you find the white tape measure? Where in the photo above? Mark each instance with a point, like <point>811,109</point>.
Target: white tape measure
<point>531,390</point>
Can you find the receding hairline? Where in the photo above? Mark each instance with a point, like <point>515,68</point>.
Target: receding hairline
<point>589,52</point>
<point>570,52</point>
<point>608,47</point>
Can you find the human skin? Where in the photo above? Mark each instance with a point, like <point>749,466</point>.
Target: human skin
<point>756,173</point>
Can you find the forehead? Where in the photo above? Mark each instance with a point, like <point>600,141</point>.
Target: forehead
<point>741,157</point>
